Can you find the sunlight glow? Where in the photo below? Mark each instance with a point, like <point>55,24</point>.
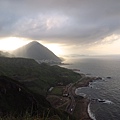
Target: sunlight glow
<point>109,45</point>
<point>12,43</point>
<point>111,38</point>
<point>55,48</point>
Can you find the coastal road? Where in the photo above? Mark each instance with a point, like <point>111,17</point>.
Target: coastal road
<point>70,108</point>
<point>71,91</point>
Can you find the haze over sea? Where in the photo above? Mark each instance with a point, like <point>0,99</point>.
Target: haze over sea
<point>106,90</point>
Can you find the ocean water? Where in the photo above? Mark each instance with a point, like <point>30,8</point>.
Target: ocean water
<point>105,93</point>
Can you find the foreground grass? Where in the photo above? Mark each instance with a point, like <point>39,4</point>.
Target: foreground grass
<point>28,117</point>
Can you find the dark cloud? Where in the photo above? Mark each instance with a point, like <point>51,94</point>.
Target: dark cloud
<point>62,21</point>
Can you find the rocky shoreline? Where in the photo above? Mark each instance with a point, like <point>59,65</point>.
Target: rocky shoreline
<point>68,100</point>
<point>81,111</point>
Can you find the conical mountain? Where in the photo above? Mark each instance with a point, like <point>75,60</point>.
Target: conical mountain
<point>36,51</point>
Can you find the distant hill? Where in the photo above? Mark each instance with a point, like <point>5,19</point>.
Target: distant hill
<point>5,54</point>
<point>36,51</point>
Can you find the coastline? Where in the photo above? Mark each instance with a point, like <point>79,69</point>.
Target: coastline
<point>82,111</point>
<point>75,104</point>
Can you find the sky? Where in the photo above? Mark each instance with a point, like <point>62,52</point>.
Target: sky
<point>67,27</point>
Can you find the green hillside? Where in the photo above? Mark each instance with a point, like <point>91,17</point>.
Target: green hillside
<point>16,101</point>
<point>15,98</point>
<point>37,77</point>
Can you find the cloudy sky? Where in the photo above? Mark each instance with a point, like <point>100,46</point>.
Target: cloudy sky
<point>64,26</point>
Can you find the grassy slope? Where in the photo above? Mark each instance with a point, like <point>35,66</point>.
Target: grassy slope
<point>34,76</point>
<point>16,101</point>
<point>37,77</point>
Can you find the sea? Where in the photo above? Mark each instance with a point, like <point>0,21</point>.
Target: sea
<point>104,94</point>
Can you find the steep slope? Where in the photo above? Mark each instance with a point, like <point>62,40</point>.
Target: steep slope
<point>16,99</point>
<point>36,51</point>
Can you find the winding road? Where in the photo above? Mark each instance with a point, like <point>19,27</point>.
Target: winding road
<point>70,108</point>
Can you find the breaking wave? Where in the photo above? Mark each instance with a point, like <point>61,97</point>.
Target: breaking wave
<point>108,102</point>
<point>92,116</point>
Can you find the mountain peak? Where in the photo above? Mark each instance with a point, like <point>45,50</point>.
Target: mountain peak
<point>36,51</point>
<point>34,42</point>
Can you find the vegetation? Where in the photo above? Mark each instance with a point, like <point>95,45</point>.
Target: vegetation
<point>16,102</point>
<point>37,77</point>
<point>29,117</point>
<point>57,91</point>
<point>25,86</point>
